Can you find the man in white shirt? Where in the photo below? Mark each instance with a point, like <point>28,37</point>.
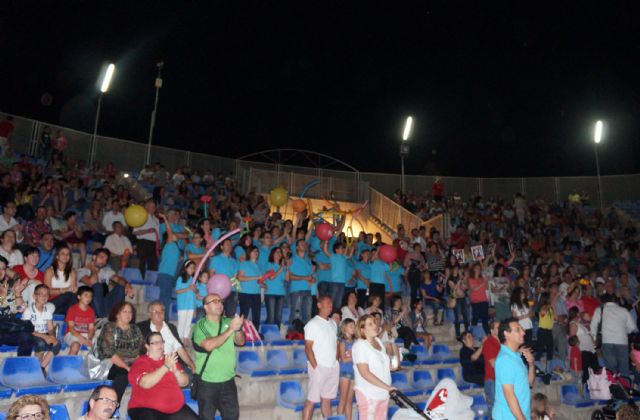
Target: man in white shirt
<point>617,324</point>
<point>119,246</point>
<point>8,221</point>
<point>148,239</point>
<point>320,346</point>
<point>114,215</point>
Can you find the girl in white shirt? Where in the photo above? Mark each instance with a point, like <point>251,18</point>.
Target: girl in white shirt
<point>520,311</point>
<point>372,369</point>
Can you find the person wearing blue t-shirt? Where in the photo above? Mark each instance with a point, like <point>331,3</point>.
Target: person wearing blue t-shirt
<point>168,268</point>
<point>249,275</point>
<point>363,276</point>
<point>265,248</point>
<point>338,272</point>
<point>379,278</point>
<point>223,263</point>
<point>194,250</point>
<point>397,277</point>
<point>179,233</point>
<point>275,293</point>
<point>350,285</point>
<point>186,299</point>
<point>513,377</point>
<point>300,278</point>
<point>240,250</point>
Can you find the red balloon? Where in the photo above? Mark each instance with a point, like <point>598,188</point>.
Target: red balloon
<point>324,231</point>
<point>388,253</point>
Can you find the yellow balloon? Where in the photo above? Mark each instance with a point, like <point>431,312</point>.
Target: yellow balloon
<point>278,196</point>
<point>135,216</point>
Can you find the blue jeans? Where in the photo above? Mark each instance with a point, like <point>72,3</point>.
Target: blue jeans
<point>616,358</point>
<point>335,290</point>
<point>274,304</point>
<point>460,312</point>
<point>300,304</point>
<point>480,312</point>
<point>489,394</point>
<point>105,299</point>
<point>166,283</point>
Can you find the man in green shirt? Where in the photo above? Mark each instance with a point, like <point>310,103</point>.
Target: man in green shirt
<point>217,334</point>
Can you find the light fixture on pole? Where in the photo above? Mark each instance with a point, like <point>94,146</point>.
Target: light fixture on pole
<point>152,124</point>
<point>404,148</point>
<point>104,87</point>
<point>597,138</point>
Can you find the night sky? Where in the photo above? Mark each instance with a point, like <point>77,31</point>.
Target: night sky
<point>495,90</point>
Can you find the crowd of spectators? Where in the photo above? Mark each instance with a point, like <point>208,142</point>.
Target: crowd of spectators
<point>557,268</point>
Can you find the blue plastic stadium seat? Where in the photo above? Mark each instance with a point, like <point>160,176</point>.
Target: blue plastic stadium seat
<point>422,354</point>
<point>400,381</point>
<point>271,335</point>
<point>479,405</point>
<point>151,293</point>
<point>279,361</point>
<point>193,404</point>
<point>442,354</point>
<point>290,395</point>
<point>61,333</point>
<point>24,376</point>
<point>338,417</point>
<point>477,332</point>
<point>133,276</point>
<point>58,412</point>
<point>150,276</point>
<point>68,372</point>
<point>450,373</point>
<point>8,349</point>
<point>58,318</point>
<point>569,395</point>
<point>3,416</point>
<point>423,380</point>
<point>392,410</point>
<point>299,359</point>
<point>250,364</point>
<point>263,314</point>
<point>5,392</point>
<point>286,313</point>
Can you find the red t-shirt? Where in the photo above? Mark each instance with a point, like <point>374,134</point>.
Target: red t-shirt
<point>19,270</point>
<point>6,127</point>
<point>81,319</point>
<point>576,359</point>
<point>589,303</point>
<point>437,189</point>
<point>480,295</point>
<point>166,396</point>
<point>490,350</point>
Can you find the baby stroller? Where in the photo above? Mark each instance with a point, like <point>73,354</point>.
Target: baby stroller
<point>446,403</point>
<point>618,390</point>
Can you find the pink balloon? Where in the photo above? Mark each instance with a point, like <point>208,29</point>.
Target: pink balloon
<point>220,285</point>
<point>324,231</point>
<point>388,253</point>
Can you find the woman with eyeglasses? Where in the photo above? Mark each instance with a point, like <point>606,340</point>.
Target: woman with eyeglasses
<point>29,407</point>
<point>156,379</point>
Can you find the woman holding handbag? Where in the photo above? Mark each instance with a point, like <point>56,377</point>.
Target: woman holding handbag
<point>457,285</point>
<point>13,332</point>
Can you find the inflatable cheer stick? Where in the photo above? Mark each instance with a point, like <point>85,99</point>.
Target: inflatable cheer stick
<point>308,186</point>
<point>210,251</point>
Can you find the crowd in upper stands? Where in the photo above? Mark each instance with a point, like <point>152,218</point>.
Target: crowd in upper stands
<point>555,267</point>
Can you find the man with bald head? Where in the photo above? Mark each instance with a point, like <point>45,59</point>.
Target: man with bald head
<point>214,339</point>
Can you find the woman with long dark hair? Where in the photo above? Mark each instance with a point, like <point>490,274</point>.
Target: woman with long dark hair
<point>274,295</point>
<point>61,279</point>
<point>520,311</point>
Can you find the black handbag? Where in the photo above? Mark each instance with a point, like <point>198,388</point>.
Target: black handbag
<point>195,382</point>
<point>13,325</point>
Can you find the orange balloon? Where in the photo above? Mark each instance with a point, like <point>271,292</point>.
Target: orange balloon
<point>298,205</point>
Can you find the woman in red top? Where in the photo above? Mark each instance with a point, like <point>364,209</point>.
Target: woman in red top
<point>155,380</point>
<point>478,297</point>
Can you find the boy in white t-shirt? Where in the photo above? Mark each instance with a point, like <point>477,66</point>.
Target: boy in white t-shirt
<point>40,313</point>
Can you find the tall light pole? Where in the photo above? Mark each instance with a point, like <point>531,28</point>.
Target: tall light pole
<point>152,124</point>
<point>104,87</point>
<point>597,138</point>
<point>404,148</point>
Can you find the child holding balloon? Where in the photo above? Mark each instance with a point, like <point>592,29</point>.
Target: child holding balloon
<point>201,292</point>
<point>186,299</point>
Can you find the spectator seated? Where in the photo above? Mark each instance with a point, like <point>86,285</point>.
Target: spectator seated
<point>279,361</point>
<point>569,395</point>
<point>24,376</point>
<point>400,381</point>
<point>68,372</point>
<point>250,364</point>
<point>271,335</point>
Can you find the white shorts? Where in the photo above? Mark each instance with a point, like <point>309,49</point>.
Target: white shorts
<point>70,338</point>
<point>323,382</point>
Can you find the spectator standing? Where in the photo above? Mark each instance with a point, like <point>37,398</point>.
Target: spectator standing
<point>186,299</point>
<point>111,216</point>
<point>617,324</point>
<point>478,296</point>
<point>215,337</point>
<point>8,248</point>
<point>490,350</point>
<point>321,346</point>
<point>372,371</point>
<point>169,262</point>
<point>513,378</point>
<point>301,279</point>
<point>520,311</point>
<point>8,221</point>
<point>249,274</point>
<point>148,239</point>
<point>586,345</point>
<point>224,263</point>
<point>59,145</point>
<point>275,292</point>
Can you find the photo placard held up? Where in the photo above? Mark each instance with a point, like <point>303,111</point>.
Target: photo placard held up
<point>477,253</point>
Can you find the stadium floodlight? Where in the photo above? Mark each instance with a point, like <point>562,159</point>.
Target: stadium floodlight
<point>106,81</point>
<point>404,148</point>
<point>597,138</point>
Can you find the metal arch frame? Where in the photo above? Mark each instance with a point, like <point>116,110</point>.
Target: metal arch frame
<point>303,152</point>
